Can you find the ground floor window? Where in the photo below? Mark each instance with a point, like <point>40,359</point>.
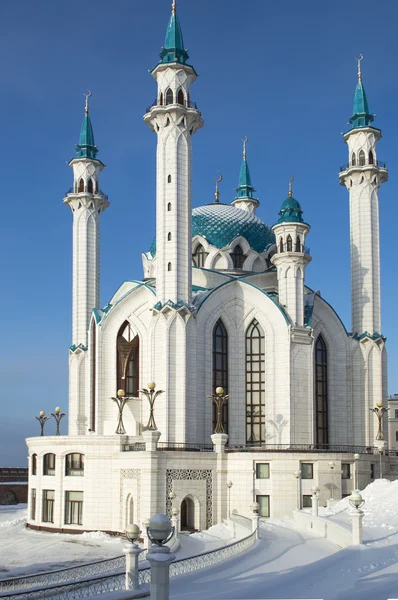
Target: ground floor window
<point>264,505</point>
<point>372,470</point>
<point>33,504</point>
<point>307,471</point>
<point>345,470</point>
<point>73,508</point>
<point>307,501</point>
<point>48,506</point>
<point>262,470</point>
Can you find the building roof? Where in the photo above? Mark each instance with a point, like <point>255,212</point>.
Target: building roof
<point>290,211</point>
<point>173,49</point>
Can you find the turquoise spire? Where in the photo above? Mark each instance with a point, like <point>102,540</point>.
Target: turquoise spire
<point>290,211</point>
<point>173,49</point>
<point>245,189</point>
<point>86,147</point>
<point>361,116</point>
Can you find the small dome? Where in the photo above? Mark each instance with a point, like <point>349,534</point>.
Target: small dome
<point>291,211</point>
<point>220,224</point>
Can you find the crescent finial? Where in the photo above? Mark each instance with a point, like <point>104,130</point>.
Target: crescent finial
<point>359,60</point>
<point>87,97</point>
<point>291,186</point>
<point>245,140</point>
<point>217,194</point>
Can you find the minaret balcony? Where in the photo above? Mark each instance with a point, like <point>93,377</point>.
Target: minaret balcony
<point>376,164</point>
<point>187,104</point>
<point>294,250</point>
<point>99,194</point>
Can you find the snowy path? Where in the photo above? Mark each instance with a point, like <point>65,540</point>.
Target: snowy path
<point>290,564</point>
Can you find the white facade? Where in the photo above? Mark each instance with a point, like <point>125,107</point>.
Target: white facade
<point>223,303</point>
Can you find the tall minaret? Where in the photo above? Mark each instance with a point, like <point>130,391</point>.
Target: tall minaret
<point>87,202</point>
<point>244,192</point>
<point>175,119</point>
<point>362,177</point>
<point>291,257</point>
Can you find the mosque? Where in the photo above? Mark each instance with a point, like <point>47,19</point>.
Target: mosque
<point>223,306</point>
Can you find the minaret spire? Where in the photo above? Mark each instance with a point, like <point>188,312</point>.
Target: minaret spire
<point>86,108</point>
<point>361,117</point>
<point>244,198</point>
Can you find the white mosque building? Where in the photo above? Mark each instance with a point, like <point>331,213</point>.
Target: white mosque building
<point>222,303</point>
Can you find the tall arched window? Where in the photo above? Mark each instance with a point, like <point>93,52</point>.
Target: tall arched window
<point>238,258</point>
<point>281,245</point>
<point>161,99</point>
<point>321,392</point>
<point>49,464</point>
<point>353,159</point>
<point>169,179</point>
<point>298,245</point>
<point>81,186</point>
<point>169,97</point>
<point>255,384</point>
<point>289,244</point>
<point>371,158</point>
<point>169,207</point>
<point>220,368</point>
<point>90,187</point>
<point>34,464</point>
<point>199,258</point>
<point>128,355</point>
<point>169,267</point>
<point>169,237</point>
<point>362,158</point>
<point>180,97</point>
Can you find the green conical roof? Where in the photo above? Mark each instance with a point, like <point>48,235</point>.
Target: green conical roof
<point>86,147</point>
<point>245,189</point>
<point>173,49</point>
<point>360,114</point>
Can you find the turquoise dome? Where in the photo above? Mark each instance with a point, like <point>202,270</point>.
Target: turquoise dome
<point>291,211</point>
<point>219,224</point>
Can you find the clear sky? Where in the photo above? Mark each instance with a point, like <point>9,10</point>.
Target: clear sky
<point>282,73</point>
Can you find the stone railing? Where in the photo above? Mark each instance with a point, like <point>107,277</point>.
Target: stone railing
<point>333,532</point>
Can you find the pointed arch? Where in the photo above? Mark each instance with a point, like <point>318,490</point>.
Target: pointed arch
<point>321,392</point>
<point>169,207</point>
<point>371,158</point>
<point>298,244</point>
<point>169,97</point>
<point>128,354</point>
<point>289,243</point>
<point>180,97</point>
<point>238,257</point>
<point>169,236</point>
<point>353,159</point>
<point>169,266</point>
<point>161,99</point>
<point>255,384</point>
<point>361,158</point>
<point>199,256</point>
<point>280,244</point>
<point>90,186</point>
<point>81,186</point>
<point>220,368</point>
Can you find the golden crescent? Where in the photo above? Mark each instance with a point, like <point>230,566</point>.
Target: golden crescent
<point>89,94</point>
<point>291,179</point>
<point>245,140</point>
<point>360,58</point>
<point>218,180</point>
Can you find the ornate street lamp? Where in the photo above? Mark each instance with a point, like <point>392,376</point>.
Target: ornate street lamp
<point>42,420</point>
<point>229,485</point>
<point>356,500</point>
<point>379,411</point>
<point>151,395</point>
<point>132,552</point>
<point>297,475</point>
<point>121,400</point>
<point>160,530</point>
<point>219,400</point>
<point>57,416</point>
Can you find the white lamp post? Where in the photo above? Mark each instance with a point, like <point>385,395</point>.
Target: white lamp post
<point>160,531</point>
<point>256,518</point>
<point>331,467</point>
<point>315,501</point>
<point>229,485</point>
<point>148,542</point>
<point>297,475</point>
<point>132,552</point>
<point>356,459</point>
<point>356,502</point>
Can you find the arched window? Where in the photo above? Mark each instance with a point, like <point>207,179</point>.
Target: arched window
<point>128,354</point>
<point>298,245</point>
<point>180,97</point>
<point>74,464</point>
<point>362,158</point>
<point>169,179</point>
<point>238,258</point>
<point>90,187</point>
<point>169,267</point>
<point>353,159</point>
<point>220,368</point>
<point>371,158</point>
<point>161,99</point>
<point>169,237</point>
<point>199,258</point>
<point>49,464</point>
<point>255,384</point>
<point>280,245</point>
<point>321,392</point>
<point>289,244</point>
<point>81,186</point>
<point>33,468</point>
<point>169,206</point>
<point>169,97</point>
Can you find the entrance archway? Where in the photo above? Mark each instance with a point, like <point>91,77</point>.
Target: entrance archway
<point>129,510</point>
<point>187,514</point>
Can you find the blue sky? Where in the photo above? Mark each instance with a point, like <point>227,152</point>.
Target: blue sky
<point>281,73</point>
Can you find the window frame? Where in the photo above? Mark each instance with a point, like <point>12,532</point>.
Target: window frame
<point>69,513</point>
<point>33,504</point>
<point>258,496</point>
<point>321,392</point>
<point>255,384</point>
<point>129,352</point>
<point>238,257</point>
<point>346,471</point>
<point>48,507</point>
<point>261,464</point>
<point>33,466</point>
<point>70,468</point>
<point>220,368</point>
<point>306,501</point>
<point>49,466</point>
<point>304,466</point>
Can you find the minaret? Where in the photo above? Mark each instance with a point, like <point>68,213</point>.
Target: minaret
<point>244,192</point>
<point>291,257</point>
<point>362,177</point>
<point>175,119</point>
<point>87,202</point>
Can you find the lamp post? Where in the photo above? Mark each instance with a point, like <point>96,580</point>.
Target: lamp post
<point>315,501</point>
<point>57,416</point>
<point>121,400</point>
<point>356,459</point>
<point>229,485</point>
<point>356,502</point>
<point>256,518</point>
<point>297,475</point>
<point>331,467</point>
<point>151,395</point>
<point>219,400</point>
<point>379,411</point>
<point>132,552</point>
<point>145,525</point>
<point>42,420</point>
<point>160,531</point>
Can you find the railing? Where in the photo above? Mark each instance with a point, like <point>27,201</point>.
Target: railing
<point>303,448</point>
<point>13,474</point>
<point>99,193</point>
<point>376,163</point>
<point>187,104</point>
<point>137,447</point>
<point>170,446</point>
<point>303,249</point>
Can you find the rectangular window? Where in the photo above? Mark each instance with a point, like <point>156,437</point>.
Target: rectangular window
<point>396,413</point>
<point>74,464</point>
<point>372,470</point>
<point>34,464</point>
<point>74,508</point>
<point>33,504</point>
<point>48,506</point>
<point>262,471</point>
<point>307,471</point>
<point>264,505</point>
<point>307,501</point>
<point>49,464</point>
<point>345,470</point>
<point>396,436</point>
